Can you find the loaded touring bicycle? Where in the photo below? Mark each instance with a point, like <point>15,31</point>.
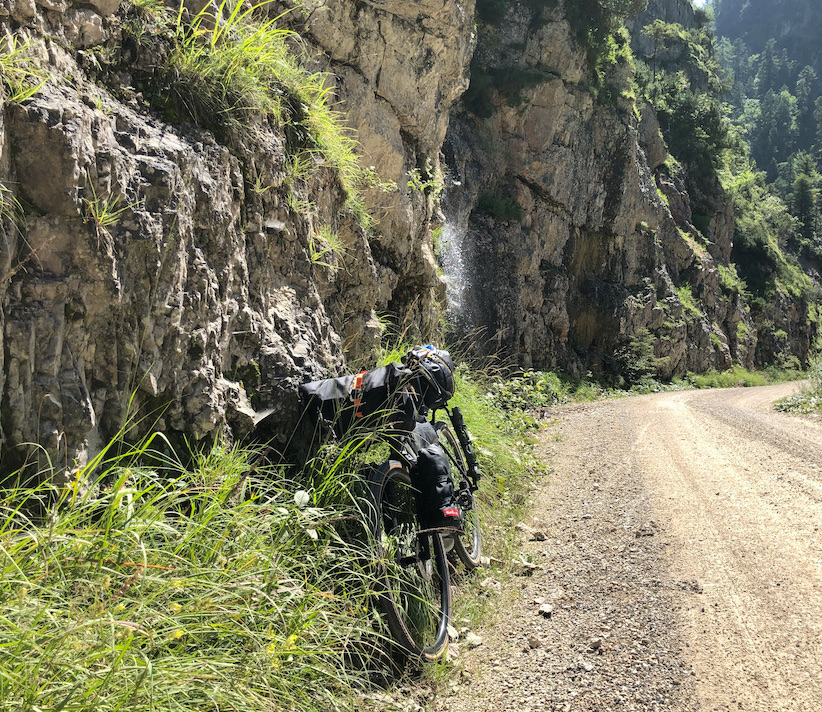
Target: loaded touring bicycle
<point>420,500</point>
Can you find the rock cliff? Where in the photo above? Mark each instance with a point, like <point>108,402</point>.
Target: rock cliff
<point>582,248</point>
<point>163,272</point>
<point>158,275</point>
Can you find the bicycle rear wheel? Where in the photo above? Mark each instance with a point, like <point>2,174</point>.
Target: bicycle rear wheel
<point>416,588</point>
<point>468,544</point>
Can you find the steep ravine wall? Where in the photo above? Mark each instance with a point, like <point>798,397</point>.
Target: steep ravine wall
<point>199,309</point>
<point>602,253</point>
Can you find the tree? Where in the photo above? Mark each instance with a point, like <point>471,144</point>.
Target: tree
<point>766,71</point>
<point>817,115</point>
<point>806,94</point>
<point>803,204</point>
<point>772,130</point>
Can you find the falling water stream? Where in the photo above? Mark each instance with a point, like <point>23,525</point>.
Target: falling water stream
<point>455,255</point>
<point>458,249</point>
<point>452,261</point>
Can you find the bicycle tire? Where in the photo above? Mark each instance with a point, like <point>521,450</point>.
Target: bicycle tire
<point>413,568</point>
<point>468,544</point>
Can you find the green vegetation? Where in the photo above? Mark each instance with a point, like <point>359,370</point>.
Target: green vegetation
<point>503,441</point>
<point>636,364</point>
<point>730,280</point>
<point>11,212</point>
<point>229,70</point>
<point>742,377</point>
<point>103,211</point>
<point>500,207</point>
<point>737,376</point>
<point>218,585</point>
<point>763,230</point>
<point>598,26</point>
<point>774,99</point>
<point>428,179</point>
<point>21,77</point>
<point>809,399</point>
<point>535,390</point>
<point>686,298</point>
<point>326,248</point>
<point>682,80</point>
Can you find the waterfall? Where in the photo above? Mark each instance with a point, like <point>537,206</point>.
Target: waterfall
<point>452,261</point>
<point>456,256</point>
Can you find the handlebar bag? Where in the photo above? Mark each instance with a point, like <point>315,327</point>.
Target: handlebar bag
<point>383,397</point>
<point>434,369</point>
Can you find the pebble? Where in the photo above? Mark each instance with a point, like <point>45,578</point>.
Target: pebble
<point>534,642</point>
<point>491,584</point>
<point>472,640</point>
<point>546,609</point>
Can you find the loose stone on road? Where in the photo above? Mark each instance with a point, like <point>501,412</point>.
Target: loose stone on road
<point>678,567</point>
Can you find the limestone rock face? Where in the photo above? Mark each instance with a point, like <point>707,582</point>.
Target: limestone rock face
<point>576,243</point>
<point>160,281</point>
<point>196,309</point>
<point>399,67</point>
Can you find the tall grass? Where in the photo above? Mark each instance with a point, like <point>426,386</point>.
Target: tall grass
<point>213,589</point>
<point>227,66</point>
<point>504,443</point>
<point>737,376</point>
<point>222,585</point>
<point>21,77</point>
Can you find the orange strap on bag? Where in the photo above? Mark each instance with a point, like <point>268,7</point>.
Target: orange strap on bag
<point>356,389</point>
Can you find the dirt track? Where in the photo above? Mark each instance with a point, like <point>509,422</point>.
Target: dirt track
<point>678,544</point>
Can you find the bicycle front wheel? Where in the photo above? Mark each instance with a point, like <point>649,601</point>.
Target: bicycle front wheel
<point>416,589</point>
<point>468,544</point>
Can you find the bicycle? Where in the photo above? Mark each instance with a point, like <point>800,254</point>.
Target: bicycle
<point>415,576</point>
<point>413,568</point>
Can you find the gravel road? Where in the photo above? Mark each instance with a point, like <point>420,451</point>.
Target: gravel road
<point>678,564</point>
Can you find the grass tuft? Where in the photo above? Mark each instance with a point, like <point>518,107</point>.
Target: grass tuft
<point>216,588</point>
<point>21,77</point>
<point>229,66</point>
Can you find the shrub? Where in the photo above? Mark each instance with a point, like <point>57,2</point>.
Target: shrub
<point>500,207</point>
<point>636,362</point>
<point>689,303</point>
<point>531,390</point>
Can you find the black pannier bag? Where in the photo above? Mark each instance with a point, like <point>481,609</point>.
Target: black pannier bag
<point>382,397</point>
<point>431,474</point>
<point>434,370</point>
